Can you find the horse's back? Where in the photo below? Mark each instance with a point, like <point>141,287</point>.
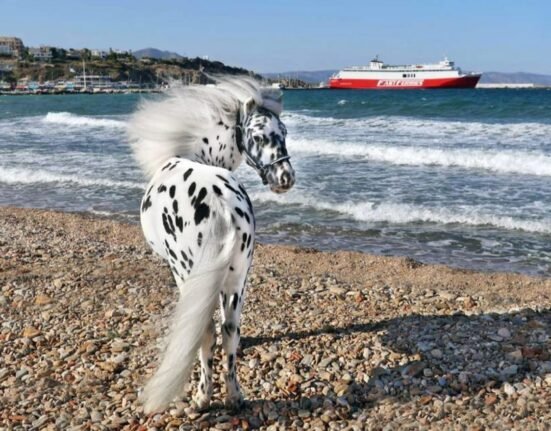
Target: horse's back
<point>187,201</point>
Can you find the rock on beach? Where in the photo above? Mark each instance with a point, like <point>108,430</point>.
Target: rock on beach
<point>338,340</point>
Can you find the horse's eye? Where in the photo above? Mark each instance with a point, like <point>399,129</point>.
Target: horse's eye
<point>258,139</point>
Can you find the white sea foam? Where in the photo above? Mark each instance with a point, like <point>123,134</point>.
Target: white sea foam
<point>506,161</point>
<point>69,119</point>
<point>399,213</point>
<point>32,176</point>
<point>420,130</point>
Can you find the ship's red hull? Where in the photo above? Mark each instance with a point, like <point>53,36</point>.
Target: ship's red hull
<point>468,81</point>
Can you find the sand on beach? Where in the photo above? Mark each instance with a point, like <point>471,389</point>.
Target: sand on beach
<point>329,340</point>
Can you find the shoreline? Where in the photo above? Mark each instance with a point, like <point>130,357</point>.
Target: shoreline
<point>127,219</point>
<point>329,339</point>
<point>75,93</point>
<point>131,221</point>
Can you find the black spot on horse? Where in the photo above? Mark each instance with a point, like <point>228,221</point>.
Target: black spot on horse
<point>171,223</point>
<point>175,206</point>
<point>187,173</point>
<point>229,327</point>
<point>199,239</point>
<point>234,300</point>
<point>217,190</point>
<point>205,140</point>
<point>191,189</point>
<point>180,223</point>
<point>239,197</point>
<point>146,204</point>
<point>202,211</point>
<point>222,178</point>
<point>166,166</point>
<point>166,225</point>
<point>172,253</point>
<point>162,188</point>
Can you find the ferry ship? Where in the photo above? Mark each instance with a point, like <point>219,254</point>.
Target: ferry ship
<point>378,75</point>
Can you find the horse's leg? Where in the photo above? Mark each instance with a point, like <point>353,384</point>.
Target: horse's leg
<point>232,303</point>
<point>204,392</point>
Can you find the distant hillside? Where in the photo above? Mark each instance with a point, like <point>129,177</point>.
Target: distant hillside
<point>156,53</point>
<point>315,77</point>
<point>145,71</point>
<point>515,78</point>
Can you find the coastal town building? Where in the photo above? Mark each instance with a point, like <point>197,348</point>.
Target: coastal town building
<point>11,46</point>
<point>122,51</point>
<point>73,54</point>
<point>98,53</point>
<point>42,53</point>
<point>93,81</point>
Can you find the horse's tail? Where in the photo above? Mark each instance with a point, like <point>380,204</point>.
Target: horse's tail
<point>194,311</point>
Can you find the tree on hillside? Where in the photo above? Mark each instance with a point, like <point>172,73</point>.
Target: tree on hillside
<point>58,54</point>
<point>86,54</point>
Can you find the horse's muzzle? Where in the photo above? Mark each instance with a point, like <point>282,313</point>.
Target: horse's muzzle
<point>282,178</point>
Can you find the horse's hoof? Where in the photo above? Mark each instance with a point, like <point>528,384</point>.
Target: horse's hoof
<point>202,402</point>
<point>234,402</point>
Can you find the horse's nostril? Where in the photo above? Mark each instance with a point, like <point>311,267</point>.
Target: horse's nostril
<point>285,179</point>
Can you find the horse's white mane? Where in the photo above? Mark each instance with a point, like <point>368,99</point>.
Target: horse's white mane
<point>173,125</point>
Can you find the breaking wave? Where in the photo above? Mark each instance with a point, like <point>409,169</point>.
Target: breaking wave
<point>33,176</point>
<point>508,162</point>
<point>398,213</point>
<point>69,119</point>
<point>413,128</point>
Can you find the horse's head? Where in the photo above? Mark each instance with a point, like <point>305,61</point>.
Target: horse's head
<point>264,147</point>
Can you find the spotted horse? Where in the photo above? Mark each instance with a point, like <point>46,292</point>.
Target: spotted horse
<point>198,217</point>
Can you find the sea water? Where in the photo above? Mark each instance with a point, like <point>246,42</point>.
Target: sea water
<point>461,177</point>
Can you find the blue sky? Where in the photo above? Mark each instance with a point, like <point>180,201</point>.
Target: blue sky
<point>285,35</point>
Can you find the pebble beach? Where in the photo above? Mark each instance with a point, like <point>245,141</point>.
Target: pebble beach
<point>330,340</point>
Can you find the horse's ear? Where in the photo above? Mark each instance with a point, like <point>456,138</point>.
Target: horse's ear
<point>249,106</point>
